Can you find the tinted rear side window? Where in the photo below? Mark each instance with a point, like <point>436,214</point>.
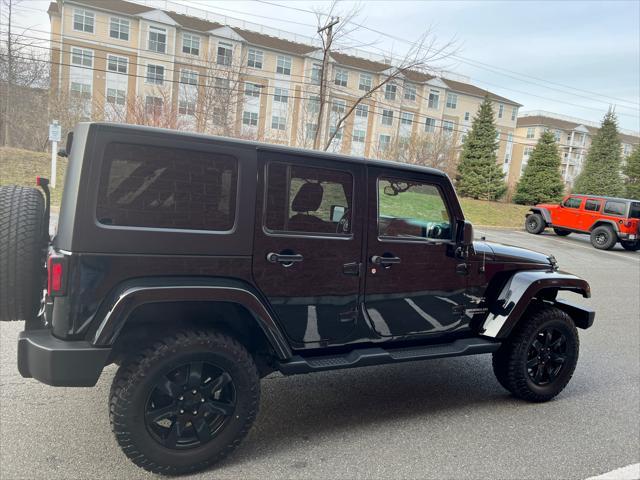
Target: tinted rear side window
<point>592,205</point>
<point>615,208</point>
<point>154,187</point>
<point>573,202</point>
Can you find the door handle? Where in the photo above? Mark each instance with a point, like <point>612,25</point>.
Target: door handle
<point>285,259</point>
<point>462,269</point>
<point>382,260</point>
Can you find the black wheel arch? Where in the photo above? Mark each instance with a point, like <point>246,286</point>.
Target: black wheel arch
<point>231,306</point>
<point>605,223</point>
<point>543,212</point>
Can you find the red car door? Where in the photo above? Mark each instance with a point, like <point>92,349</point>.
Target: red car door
<point>568,215</point>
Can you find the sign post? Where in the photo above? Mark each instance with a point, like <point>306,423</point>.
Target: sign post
<point>55,134</point>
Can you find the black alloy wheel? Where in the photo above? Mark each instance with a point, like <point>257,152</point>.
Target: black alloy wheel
<point>547,355</point>
<point>190,405</point>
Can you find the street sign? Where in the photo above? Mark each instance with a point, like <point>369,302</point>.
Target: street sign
<point>55,132</point>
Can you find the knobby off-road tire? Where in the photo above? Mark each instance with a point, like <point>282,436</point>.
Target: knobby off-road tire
<point>22,252</point>
<point>143,379</point>
<point>534,223</point>
<point>603,237</point>
<point>561,232</point>
<point>630,246</point>
<point>518,361</point>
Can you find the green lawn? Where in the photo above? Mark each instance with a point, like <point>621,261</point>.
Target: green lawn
<point>22,166</point>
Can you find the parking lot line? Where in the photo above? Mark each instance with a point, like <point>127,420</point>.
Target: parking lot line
<point>630,472</point>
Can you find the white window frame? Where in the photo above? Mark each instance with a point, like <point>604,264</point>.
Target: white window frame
<point>452,101</point>
<point>390,91</point>
<point>387,117</point>
<point>382,146</point>
<point>85,15</point>
<point>250,119</point>
<point>152,78</point>
<point>85,88</point>
<point>186,107</point>
<point>500,110</point>
<point>283,65</point>
<point>514,113</point>
<point>433,101</point>
<point>410,92</point>
<point>359,136</point>
<point>313,104</point>
<point>158,32</point>
<point>120,63</point>
<point>339,106</point>
<point>448,127</point>
<point>281,95</point>
<point>341,77</point>
<point>188,77</point>
<point>116,94</point>
<point>278,122</point>
<point>531,132</point>
<point>406,118</point>
<point>365,82</point>
<point>252,89</point>
<point>255,58</point>
<point>316,71</point>
<point>430,124</point>
<point>121,25</point>
<point>467,116</point>
<point>153,98</point>
<point>191,42</point>
<point>84,54</point>
<point>226,57</point>
<point>362,110</point>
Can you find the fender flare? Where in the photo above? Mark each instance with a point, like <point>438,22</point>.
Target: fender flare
<point>132,294</point>
<point>542,211</point>
<point>600,222</point>
<point>521,289</point>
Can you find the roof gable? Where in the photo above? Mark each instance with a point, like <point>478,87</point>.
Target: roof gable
<point>226,32</point>
<point>158,16</point>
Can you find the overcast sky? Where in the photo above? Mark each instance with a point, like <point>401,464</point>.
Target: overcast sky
<point>590,50</point>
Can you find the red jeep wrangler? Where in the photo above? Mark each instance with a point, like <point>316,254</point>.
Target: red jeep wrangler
<point>608,220</point>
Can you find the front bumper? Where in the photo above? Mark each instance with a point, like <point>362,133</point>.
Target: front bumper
<point>58,362</point>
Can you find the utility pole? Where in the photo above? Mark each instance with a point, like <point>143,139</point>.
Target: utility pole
<point>327,31</point>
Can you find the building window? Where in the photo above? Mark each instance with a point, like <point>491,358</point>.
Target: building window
<point>278,123</point>
<point>466,116</point>
<point>316,73</point>
<point>82,90</point>
<point>115,96</point>
<point>384,141</point>
<point>221,86</point>
<point>406,118</point>
<point>252,89</point>
<point>190,44</point>
<point>157,39</point>
<point>186,107</point>
<point>190,77</point>
<point>500,110</point>
<point>119,28</point>
<point>359,136</point>
<point>447,127</point>
<point>281,95</point>
<point>313,104</point>
<point>337,134</point>
<point>153,105</point>
<point>311,130</point>
<point>434,99</point>
<point>430,125</point>
<point>390,91</point>
<point>255,58</point>
<point>387,117</point>
<point>250,119</point>
<point>225,54</point>
<point>365,82</point>
<point>531,132</point>
<point>342,77</point>
<point>527,152</point>
<point>117,64</point>
<point>452,100</point>
<point>82,57</point>
<point>557,134</point>
<point>155,74</point>
<point>362,111</point>
<point>514,113</point>
<point>339,106</point>
<point>83,20</point>
<point>283,65</point>
<point>410,92</point>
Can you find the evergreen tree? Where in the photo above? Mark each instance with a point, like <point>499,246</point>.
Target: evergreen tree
<point>632,172</point>
<point>479,176</point>
<point>601,172</point>
<point>541,180</point>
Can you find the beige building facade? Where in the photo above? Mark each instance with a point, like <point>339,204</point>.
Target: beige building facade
<point>574,138</point>
<point>128,62</point>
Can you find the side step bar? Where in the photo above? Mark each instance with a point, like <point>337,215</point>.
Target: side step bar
<point>377,356</point>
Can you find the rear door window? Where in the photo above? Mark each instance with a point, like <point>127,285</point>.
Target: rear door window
<point>169,188</point>
<point>572,202</point>
<point>614,208</point>
<point>592,205</point>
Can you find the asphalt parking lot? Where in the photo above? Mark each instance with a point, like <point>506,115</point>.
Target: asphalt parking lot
<point>436,419</point>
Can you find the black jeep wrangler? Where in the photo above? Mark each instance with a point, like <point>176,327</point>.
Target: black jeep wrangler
<point>201,264</point>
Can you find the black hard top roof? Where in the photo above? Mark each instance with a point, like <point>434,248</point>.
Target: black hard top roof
<point>273,147</point>
<point>584,195</point>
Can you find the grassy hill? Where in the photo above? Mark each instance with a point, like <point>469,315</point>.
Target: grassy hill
<point>22,166</point>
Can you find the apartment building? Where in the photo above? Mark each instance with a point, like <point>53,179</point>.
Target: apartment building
<point>573,135</point>
<point>122,59</point>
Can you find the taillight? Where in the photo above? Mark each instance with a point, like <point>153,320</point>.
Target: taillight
<point>56,275</point>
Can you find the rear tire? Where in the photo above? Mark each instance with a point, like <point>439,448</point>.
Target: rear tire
<point>630,246</point>
<point>534,223</point>
<point>561,232</point>
<point>22,252</point>
<point>603,237</point>
<point>158,420</point>
<point>537,361</point>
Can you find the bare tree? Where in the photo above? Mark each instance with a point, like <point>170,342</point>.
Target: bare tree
<point>423,56</point>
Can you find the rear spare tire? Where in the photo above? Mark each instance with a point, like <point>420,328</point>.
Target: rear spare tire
<point>22,252</point>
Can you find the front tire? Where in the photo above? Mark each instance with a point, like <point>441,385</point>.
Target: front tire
<point>630,246</point>
<point>185,402</point>
<point>603,238</point>
<point>539,358</point>
<point>534,223</point>
<point>561,232</point>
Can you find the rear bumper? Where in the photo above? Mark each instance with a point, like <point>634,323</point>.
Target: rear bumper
<point>628,236</point>
<point>57,362</point>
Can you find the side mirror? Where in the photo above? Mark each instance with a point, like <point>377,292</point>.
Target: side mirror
<point>466,238</point>
<point>337,212</point>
